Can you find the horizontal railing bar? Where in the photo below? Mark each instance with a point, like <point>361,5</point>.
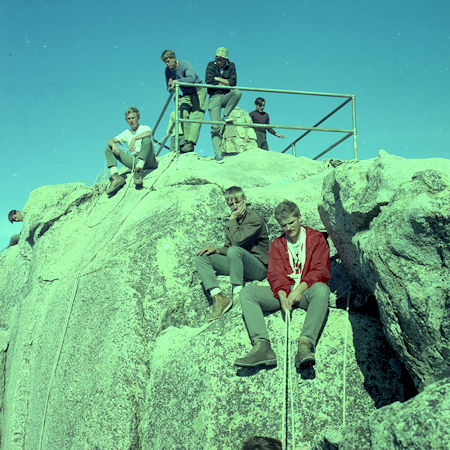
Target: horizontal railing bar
<point>334,145</point>
<point>318,123</point>
<point>255,125</point>
<point>277,91</point>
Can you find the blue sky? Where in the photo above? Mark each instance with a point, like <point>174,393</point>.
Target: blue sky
<point>68,70</point>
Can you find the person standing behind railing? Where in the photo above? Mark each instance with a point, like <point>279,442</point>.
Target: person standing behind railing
<point>261,117</point>
<point>221,72</point>
<point>192,100</point>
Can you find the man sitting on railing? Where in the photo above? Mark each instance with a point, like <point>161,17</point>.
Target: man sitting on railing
<point>221,72</point>
<point>261,117</point>
<point>192,100</point>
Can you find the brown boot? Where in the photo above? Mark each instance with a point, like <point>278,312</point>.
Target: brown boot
<point>304,357</point>
<point>137,177</point>
<point>221,305</point>
<point>116,182</point>
<point>261,355</point>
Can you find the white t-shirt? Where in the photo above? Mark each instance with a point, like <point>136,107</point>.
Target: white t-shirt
<point>297,257</point>
<point>126,136</point>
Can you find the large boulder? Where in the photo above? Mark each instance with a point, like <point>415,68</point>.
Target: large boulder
<point>422,422</point>
<point>389,220</point>
<point>101,309</point>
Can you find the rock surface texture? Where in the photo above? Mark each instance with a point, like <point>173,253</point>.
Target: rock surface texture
<point>420,423</point>
<point>389,221</point>
<point>237,139</point>
<point>103,342</point>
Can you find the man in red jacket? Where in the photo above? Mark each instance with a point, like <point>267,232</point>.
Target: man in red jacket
<point>298,273</point>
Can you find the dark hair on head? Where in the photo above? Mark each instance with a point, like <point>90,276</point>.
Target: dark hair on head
<point>259,101</point>
<point>168,54</point>
<point>10,214</point>
<point>286,209</point>
<point>261,443</point>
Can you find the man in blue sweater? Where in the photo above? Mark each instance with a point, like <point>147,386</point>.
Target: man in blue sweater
<point>192,100</point>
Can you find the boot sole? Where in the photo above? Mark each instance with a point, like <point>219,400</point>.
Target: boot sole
<point>267,363</point>
<point>305,363</point>
<point>115,189</point>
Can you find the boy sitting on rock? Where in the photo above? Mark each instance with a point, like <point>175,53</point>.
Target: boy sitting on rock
<point>299,270</point>
<point>140,144</point>
<point>244,255</point>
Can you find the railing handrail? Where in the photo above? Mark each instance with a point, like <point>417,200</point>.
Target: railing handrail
<point>276,91</point>
<point>349,97</point>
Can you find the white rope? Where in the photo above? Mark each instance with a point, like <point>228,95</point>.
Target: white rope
<point>284,424</point>
<point>291,384</point>
<point>347,319</point>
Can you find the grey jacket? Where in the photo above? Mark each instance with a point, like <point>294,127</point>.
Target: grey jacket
<point>249,232</point>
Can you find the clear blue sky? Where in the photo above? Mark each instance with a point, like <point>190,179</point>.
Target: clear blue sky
<point>69,69</point>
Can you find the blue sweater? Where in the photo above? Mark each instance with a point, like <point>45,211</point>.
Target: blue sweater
<point>184,72</point>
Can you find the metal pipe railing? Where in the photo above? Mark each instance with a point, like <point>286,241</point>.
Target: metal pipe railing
<point>349,97</point>
<point>318,123</point>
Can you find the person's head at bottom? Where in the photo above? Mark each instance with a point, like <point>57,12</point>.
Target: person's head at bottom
<point>261,443</point>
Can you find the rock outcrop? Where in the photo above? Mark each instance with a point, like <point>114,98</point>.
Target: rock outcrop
<point>422,422</point>
<point>103,342</point>
<point>236,139</point>
<point>389,220</point>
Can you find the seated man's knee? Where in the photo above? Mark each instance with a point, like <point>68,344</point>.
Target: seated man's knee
<point>234,250</point>
<point>322,291</point>
<point>246,294</point>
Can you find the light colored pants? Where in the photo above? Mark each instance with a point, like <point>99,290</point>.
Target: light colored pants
<point>239,264</point>
<point>256,299</point>
<point>147,153</point>
<point>216,102</point>
<point>192,106</point>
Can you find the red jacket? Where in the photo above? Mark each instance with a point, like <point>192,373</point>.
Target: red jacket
<point>317,262</point>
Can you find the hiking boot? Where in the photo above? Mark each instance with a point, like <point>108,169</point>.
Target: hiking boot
<point>137,177</point>
<point>116,182</point>
<point>261,355</point>
<point>188,147</point>
<point>304,357</point>
<point>221,305</point>
<point>227,119</point>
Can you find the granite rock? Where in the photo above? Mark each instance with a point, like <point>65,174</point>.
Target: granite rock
<point>389,221</point>
<point>102,314</point>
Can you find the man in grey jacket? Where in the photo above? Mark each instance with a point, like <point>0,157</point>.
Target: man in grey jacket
<point>192,100</point>
<point>243,257</point>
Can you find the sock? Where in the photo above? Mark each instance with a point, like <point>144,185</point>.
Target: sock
<point>214,291</point>
<point>237,289</point>
<point>140,164</point>
<point>113,170</point>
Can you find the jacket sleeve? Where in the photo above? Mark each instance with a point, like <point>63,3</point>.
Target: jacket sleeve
<point>319,265</point>
<point>232,77</point>
<point>189,75</point>
<point>246,232</point>
<point>276,274</point>
<point>166,73</point>
<point>210,73</point>
<point>223,250</point>
<point>270,130</point>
